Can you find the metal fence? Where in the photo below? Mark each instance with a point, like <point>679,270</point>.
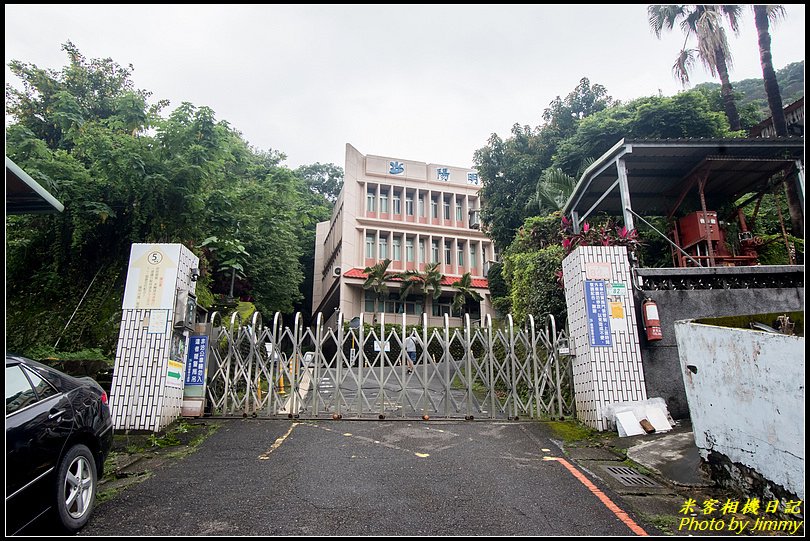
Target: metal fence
<point>362,371</point>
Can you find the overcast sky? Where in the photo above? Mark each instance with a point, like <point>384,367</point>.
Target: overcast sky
<point>426,83</point>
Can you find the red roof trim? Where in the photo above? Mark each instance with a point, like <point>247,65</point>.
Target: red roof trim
<point>478,283</point>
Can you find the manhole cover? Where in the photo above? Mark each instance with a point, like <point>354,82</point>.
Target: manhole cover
<point>630,477</point>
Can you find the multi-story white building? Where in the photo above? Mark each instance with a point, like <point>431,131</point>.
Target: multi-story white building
<point>412,213</point>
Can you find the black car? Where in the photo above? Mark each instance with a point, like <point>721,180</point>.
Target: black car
<point>58,434</point>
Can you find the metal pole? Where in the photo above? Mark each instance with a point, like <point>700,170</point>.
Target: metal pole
<point>490,371</point>
<point>468,364</point>
<point>424,363</point>
<point>77,308</point>
<point>511,365</point>
<point>446,357</point>
<point>665,238</point>
<point>341,358</point>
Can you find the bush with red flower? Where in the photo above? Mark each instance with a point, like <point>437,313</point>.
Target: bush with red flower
<point>608,234</point>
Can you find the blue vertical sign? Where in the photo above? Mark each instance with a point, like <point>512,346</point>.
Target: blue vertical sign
<point>596,307</point>
<point>195,365</point>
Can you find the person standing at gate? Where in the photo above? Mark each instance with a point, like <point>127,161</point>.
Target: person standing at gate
<point>410,349</point>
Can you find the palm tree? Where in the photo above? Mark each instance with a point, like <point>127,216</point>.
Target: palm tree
<point>375,281</point>
<point>433,281</point>
<point>554,188</point>
<point>705,22</point>
<point>763,16</point>
<point>429,281</point>
<point>464,291</point>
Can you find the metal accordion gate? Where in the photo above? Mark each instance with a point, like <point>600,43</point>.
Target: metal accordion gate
<point>362,371</point>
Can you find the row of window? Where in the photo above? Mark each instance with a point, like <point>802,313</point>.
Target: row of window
<point>413,304</point>
<point>371,206</point>
<point>396,251</point>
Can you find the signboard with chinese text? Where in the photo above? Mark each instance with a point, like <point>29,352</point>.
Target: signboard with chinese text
<point>152,276</point>
<point>596,306</point>
<point>195,364</point>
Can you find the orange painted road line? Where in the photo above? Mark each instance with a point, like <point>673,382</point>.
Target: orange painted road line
<point>624,517</point>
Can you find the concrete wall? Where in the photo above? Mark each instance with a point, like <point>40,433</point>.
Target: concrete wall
<point>746,398</point>
<point>660,359</point>
<point>603,373</point>
<point>147,384</point>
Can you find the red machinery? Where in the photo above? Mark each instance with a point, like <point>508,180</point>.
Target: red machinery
<point>706,242</point>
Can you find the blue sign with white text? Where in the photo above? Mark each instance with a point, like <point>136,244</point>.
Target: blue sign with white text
<point>195,365</point>
<point>596,306</point>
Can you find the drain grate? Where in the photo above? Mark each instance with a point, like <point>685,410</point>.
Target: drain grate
<point>630,477</point>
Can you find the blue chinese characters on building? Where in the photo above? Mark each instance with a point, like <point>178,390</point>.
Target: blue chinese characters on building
<point>442,174</point>
<point>472,178</point>
<point>195,365</point>
<point>596,306</point>
<point>396,168</point>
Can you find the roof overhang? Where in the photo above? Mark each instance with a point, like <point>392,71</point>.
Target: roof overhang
<point>24,195</point>
<point>657,177</point>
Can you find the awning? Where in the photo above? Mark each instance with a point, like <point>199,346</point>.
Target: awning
<point>24,195</point>
<point>658,177</point>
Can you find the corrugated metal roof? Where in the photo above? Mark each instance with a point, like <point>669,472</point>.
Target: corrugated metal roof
<point>658,171</point>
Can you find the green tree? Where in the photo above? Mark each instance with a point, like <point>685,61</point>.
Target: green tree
<point>428,283</point>
<point>376,276</point>
<point>127,174</point>
<point>510,168</point>
<point>763,16</point>
<point>464,291</point>
<point>325,179</point>
<point>705,23</point>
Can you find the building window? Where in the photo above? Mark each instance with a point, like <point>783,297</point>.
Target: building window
<point>460,253</point>
<point>398,204</point>
<point>383,201</point>
<point>409,250</point>
<point>434,208</point>
<point>396,246</point>
<point>458,211</point>
<point>422,256</point>
<point>369,246</point>
<point>422,207</point>
<point>446,209</point>
<point>371,301</point>
<point>383,248</point>
<point>409,205</point>
<point>473,258</point>
<point>447,254</point>
<point>442,306</point>
<point>435,251</point>
<point>370,202</point>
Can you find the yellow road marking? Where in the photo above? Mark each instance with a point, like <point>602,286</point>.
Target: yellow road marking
<point>277,443</point>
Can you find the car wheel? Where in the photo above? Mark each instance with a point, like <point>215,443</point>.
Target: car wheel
<point>76,488</point>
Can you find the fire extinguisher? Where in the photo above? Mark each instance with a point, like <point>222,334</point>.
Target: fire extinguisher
<point>652,323</point>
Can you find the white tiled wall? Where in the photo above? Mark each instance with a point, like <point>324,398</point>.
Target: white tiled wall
<point>140,398</point>
<point>602,375</point>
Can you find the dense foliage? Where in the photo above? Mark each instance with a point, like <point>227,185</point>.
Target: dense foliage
<point>125,174</point>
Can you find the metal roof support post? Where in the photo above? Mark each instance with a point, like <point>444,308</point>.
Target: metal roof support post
<point>800,181</point>
<point>624,192</point>
<point>575,221</point>
<point>707,225</point>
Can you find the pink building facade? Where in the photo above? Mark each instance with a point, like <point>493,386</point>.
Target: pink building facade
<point>412,213</point>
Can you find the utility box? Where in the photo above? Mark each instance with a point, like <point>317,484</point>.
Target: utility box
<point>158,318</point>
<point>692,228</point>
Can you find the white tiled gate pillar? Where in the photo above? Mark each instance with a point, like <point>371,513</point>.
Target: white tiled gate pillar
<point>603,332</point>
<point>147,385</point>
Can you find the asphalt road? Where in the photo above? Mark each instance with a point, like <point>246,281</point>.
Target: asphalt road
<point>262,477</point>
